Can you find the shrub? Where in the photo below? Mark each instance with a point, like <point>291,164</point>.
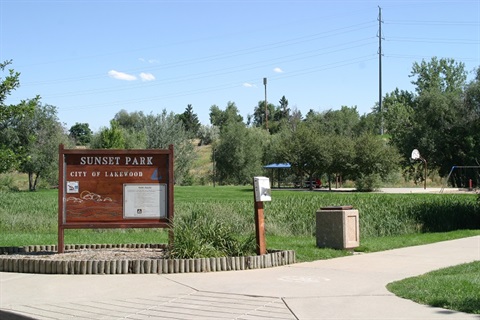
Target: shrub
<point>7,183</point>
<point>199,235</point>
<point>369,182</point>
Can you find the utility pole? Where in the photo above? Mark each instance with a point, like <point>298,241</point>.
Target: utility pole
<point>266,109</point>
<point>214,173</point>
<point>380,68</point>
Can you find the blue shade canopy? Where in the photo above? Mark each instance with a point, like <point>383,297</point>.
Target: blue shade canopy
<point>277,166</point>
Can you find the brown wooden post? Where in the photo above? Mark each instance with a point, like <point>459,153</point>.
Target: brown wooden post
<point>425,182</point>
<point>61,243</point>
<point>171,183</point>
<point>260,228</point>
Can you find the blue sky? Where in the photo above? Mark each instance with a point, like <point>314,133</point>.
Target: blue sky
<point>91,59</point>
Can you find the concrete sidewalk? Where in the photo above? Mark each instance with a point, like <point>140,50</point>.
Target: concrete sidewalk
<point>344,288</point>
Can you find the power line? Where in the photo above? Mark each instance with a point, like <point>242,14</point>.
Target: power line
<point>231,85</point>
<point>434,23</point>
<point>435,40</point>
<point>216,57</point>
<point>406,56</point>
<point>223,71</point>
<point>380,38</point>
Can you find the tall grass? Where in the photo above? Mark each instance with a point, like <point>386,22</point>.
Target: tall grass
<point>293,213</point>
<point>202,235</point>
<point>290,213</point>
<point>29,212</point>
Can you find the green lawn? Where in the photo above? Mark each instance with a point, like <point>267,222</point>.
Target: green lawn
<point>456,288</point>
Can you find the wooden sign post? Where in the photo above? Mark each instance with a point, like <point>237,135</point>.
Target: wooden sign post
<point>114,189</point>
<point>260,228</point>
<point>261,186</point>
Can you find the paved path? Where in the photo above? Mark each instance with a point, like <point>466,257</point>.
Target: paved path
<point>344,288</point>
<point>402,190</point>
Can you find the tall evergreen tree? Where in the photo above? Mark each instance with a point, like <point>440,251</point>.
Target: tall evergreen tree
<point>190,121</point>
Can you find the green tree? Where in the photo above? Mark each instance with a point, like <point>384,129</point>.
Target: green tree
<point>190,121</point>
<point>221,118</point>
<point>472,121</point>
<point>374,160</point>
<point>207,135</point>
<point>132,126</point>
<point>278,116</point>
<point>342,122</point>
<point>109,138</point>
<point>44,133</point>
<point>463,139</point>
<point>239,154</point>
<point>399,121</point>
<point>81,133</point>
<point>368,123</point>
<point>11,144</point>
<point>132,121</point>
<point>341,151</point>
<point>283,111</point>
<point>444,75</point>
<point>259,118</point>
<point>434,123</point>
<point>216,116</point>
<point>165,129</point>
<point>397,111</point>
<point>306,150</point>
<point>440,119</point>
<point>134,139</point>
<point>294,119</point>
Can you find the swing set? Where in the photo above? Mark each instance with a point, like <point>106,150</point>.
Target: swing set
<point>467,177</point>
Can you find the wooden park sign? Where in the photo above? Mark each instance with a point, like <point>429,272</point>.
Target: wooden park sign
<point>114,189</point>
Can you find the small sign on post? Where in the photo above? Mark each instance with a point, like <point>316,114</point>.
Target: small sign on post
<point>262,192</point>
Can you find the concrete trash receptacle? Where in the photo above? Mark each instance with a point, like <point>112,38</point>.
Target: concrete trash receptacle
<point>337,227</point>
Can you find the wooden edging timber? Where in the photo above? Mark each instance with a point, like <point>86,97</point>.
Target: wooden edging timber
<point>11,261</point>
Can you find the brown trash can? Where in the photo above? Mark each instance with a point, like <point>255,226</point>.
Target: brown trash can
<point>337,227</point>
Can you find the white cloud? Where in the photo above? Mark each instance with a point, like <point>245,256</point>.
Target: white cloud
<point>121,75</point>
<point>248,85</point>
<point>277,70</point>
<point>147,76</point>
<point>152,61</point>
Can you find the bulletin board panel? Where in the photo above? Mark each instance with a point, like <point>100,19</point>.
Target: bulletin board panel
<point>114,189</point>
